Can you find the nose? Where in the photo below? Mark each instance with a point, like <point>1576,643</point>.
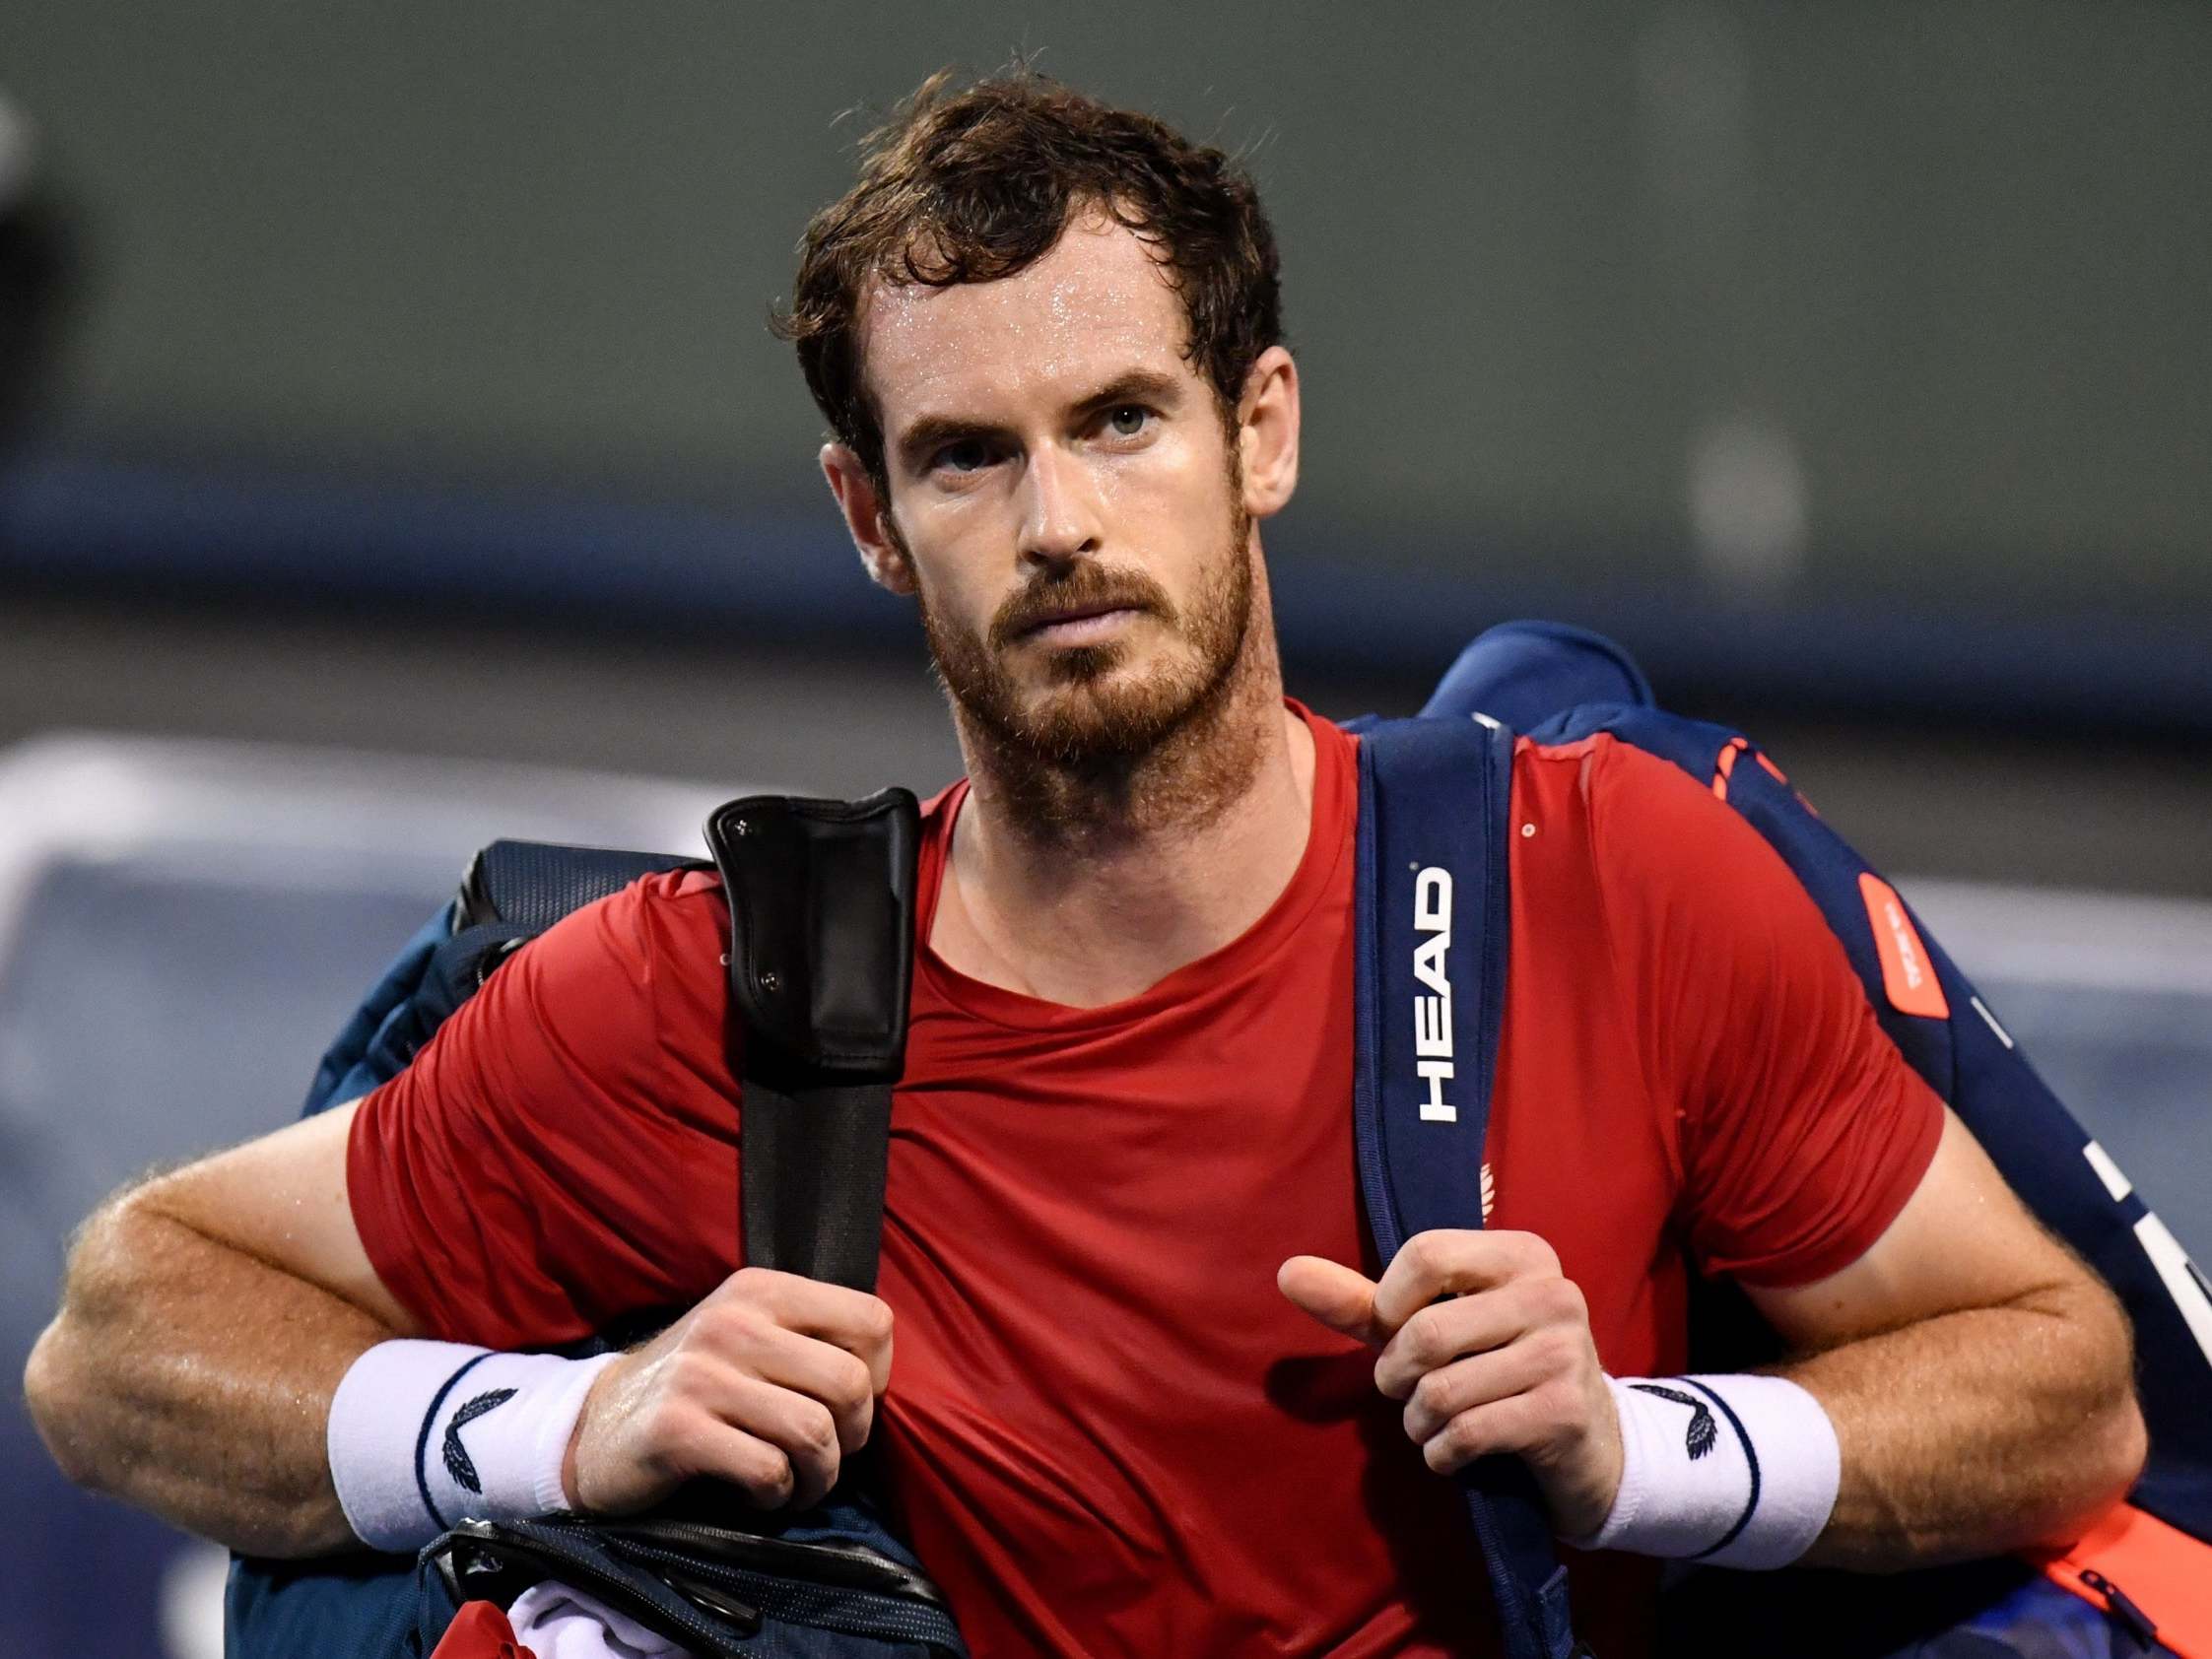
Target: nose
<point>1061,517</point>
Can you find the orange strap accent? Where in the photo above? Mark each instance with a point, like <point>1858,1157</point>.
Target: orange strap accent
<point>1773,772</point>
<point>1908,975</point>
<point>2159,1568</point>
<point>1726,765</point>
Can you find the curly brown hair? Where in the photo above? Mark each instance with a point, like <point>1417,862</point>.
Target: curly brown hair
<point>971,184</point>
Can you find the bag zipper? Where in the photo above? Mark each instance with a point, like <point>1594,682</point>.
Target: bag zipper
<point>2139,1623</point>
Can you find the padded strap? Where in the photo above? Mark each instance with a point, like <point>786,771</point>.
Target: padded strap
<point>531,885</point>
<point>811,1167</point>
<point>821,965</point>
<point>1430,956</point>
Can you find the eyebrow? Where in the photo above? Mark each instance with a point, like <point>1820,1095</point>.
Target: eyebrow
<point>934,433</point>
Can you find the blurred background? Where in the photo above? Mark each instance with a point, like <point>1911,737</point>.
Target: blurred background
<point>392,456</point>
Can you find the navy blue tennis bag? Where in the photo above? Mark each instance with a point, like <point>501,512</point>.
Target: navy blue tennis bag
<point>1435,796</point>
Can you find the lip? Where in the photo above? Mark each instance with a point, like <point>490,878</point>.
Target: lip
<point>1082,622</point>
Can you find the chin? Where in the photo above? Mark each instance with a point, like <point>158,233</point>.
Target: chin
<point>1116,710</point>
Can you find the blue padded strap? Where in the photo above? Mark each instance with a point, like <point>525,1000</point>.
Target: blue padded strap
<point>1429,955</point>
<point>1523,672</point>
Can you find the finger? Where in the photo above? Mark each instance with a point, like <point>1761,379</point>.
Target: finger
<point>854,1320</point>
<point>1444,1331</point>
<point>1512,1424</point>
<point>822,1372</point>
<point>1465,1384</point>
<point>712,1450</point>
<point>1339,1296</point>
<point>1447,1261</point>
<point>794,1424</point>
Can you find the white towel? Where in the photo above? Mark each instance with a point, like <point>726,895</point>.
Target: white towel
<point>557,1623</point>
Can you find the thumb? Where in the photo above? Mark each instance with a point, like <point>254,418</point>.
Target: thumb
<point>1338,1296</point>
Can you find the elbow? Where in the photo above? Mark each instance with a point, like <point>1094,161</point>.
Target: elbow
<point>2127,1438</point>
<point>2110,1452</point>
<point>2133,1447</point>
<point>63,1378</point>
<point>2103,1472</point>
<point>46,1394</point>
<point>54,1398</point>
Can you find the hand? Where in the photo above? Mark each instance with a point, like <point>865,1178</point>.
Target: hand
<point>1504,1362</point>
<point>768,1383</point>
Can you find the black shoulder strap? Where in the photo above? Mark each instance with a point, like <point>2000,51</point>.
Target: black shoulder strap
<point>528,885</point>
<point>821,965</point>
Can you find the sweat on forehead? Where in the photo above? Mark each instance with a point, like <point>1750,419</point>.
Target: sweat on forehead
<point>1099,302</point>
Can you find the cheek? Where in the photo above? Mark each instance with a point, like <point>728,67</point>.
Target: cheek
<point>1172,509</point>
<point>961,561</point>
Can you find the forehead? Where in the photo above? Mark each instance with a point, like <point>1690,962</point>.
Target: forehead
<point>1097,306</point>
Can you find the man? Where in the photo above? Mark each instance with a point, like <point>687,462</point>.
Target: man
<point>1047,336</point>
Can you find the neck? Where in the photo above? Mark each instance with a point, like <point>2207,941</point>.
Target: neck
<point>1087,886</point>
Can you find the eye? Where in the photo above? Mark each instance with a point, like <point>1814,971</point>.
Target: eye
<point>969,454</point>
<point>1128,419</point>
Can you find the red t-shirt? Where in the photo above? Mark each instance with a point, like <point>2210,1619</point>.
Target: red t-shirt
<point>1107,1431</point>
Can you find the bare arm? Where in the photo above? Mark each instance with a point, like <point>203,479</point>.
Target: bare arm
<point>1980,1378</point>
<point>207,1317</point>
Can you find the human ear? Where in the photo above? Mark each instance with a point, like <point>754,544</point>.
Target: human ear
<point>1267,431</point>
<point>867,515</point>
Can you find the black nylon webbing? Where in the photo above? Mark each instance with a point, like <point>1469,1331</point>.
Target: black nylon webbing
<point>810,1177</point>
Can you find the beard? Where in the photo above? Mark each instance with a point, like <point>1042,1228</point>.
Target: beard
<point>1095,745</point>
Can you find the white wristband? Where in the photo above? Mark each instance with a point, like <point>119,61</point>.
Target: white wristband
<point>424,1435</point>
<point>1734,1471</point>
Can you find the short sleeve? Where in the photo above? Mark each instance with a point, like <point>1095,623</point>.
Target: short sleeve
<point>1802,1129</point>
<point>563,1152</point>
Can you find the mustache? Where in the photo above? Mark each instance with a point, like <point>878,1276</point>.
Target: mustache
<point>1084,587</point>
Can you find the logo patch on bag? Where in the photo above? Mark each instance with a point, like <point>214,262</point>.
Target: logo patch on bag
<point>1907,977</point>
<point>1432,1010</point>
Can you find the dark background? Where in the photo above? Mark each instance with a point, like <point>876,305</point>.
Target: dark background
<point>1852,363</point>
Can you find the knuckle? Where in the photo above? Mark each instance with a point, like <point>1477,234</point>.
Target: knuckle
<point>1422,1336</point>
<point>1559,1405</point>
<point>1575,1404</point>
<point>1431,1254</point>
<point>722,1327</point>
<point>875,1320</point>
<point>766,1471</point>
<point>1557,1349</point>
<point>666,1423</point>
<point>1466,1433</point>
<point>683,1374</point>
<point>751,1284</point>
<point>1569,1302</point>
<point>855,1426</point>
<point>818,1431</point>
<point>854,1386</point>
<point>1433,1394</point>
<point>1456,1443</point>
<point>678,1446</point>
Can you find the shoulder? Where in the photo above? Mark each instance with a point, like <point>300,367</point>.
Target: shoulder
<point>1654,834</point>
<point>655,922</point>
<point>1604,774</point>
<point>616,981</point>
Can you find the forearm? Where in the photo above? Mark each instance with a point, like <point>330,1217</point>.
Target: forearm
<point>194,1380</point>
<point>1978,1431</point>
